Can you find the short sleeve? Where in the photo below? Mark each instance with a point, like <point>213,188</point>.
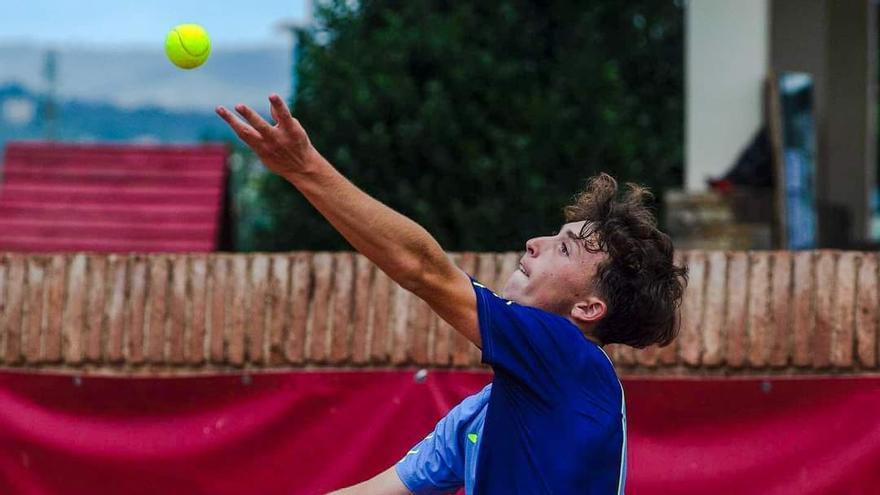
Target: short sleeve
<point>430,468</point>
<point>525,343</point>
<point>436,464</point>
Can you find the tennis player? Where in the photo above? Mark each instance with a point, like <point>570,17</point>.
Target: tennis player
<point>553,421</point>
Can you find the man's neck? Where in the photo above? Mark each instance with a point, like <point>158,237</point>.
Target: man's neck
<point>587,332</point>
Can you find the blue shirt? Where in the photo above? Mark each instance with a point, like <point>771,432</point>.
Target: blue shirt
<point>446,459</point>
<point>554,421</point>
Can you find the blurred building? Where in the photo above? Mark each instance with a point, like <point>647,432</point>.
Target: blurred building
<point>58,197</point>
<point>732,48</point>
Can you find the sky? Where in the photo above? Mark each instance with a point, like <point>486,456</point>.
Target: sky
<point>144,23</point>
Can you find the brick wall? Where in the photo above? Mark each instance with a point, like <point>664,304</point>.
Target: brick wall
<point>744,313</point>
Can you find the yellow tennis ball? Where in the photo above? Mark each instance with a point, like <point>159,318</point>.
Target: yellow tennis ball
<point>187,46</point>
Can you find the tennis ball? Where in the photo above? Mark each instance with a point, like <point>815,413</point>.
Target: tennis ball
<point>187,46</point>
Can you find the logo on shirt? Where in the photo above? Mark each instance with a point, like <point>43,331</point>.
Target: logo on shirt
<point>472,437</point>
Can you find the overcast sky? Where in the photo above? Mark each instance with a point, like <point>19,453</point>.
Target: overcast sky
<point>144,23</point>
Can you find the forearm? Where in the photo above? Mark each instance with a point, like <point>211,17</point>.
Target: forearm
<point>397,245</point>
<point>384,483</point>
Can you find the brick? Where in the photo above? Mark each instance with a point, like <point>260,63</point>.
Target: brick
<point>735,326</point>
<point>399,325</point>
<point>198,298</point>
<point>433,327</point>
<point>803,315</point>
<point>178,319</point>
<point>648,356</point>
<point>842,332</point>
<point>301,290</point>
<point>138,316</point>
<point>343,285</point>
<point>780,308</point>
<point>669,355</point>
<point>866,312</point>
<point>625,355</point>
<point>257,294</point>
<point>75,310</point>
<point>380,317</point>
<point>714,308</point>
<point>238,285</point>
<point>360,348</point>
<point>32,321</point>
<point>55,280</point>
<point>219,295</point>
<point>621,355</point>
<point>611,350</point>
<point>419,324</point>
<point>692,328</point>
<point>278,300</point>
<point>825,311</point>
<point>759,314</point>
<point>116,304</point>
<point>486,271</point>
<point>96,307</point>
<point>17,292</point>
<point>156,329</point>
<point>319,338</point>
<point>461,346</point>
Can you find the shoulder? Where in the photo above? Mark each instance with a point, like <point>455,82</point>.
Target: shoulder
<point>596,374</point>
<point>473,404</point>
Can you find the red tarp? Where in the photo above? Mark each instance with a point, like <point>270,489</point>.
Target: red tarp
<point>309,432</point>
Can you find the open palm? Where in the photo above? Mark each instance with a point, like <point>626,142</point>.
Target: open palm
<point>284,147</point>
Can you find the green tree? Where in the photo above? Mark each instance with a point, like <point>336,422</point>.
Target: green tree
<point>480,120</point>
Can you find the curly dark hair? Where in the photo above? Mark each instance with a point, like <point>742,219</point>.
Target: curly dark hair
<point>641,285</point>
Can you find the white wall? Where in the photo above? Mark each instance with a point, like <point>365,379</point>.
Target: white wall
<point>726,52</point>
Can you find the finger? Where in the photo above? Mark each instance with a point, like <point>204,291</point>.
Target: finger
<point>275,116</point>
<point>280,111</point>
<point>241,129</point>
<point>254,120</point>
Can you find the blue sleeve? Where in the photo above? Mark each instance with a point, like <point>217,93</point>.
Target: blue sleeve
<point>529,345</point>
<point>436,464</point>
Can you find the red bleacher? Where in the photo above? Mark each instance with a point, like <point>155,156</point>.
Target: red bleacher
<point>111,198</point>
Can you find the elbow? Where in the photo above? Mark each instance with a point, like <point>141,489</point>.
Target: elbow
<point>425,268</point>
<point>414,278</point>
<point>428,276</point>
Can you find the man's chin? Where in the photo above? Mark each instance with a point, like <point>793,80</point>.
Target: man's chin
<point>511,294</point>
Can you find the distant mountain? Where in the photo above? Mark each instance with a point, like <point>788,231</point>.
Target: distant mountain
<point>135,94</point>
<point>139,77</point>
<point>22,112</point>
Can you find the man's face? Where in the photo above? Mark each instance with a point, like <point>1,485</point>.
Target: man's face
<point>555,272</point>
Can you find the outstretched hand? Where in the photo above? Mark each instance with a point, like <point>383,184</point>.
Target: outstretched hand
<point>284,147</point>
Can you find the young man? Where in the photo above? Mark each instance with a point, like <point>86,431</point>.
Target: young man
<point>554,420</point>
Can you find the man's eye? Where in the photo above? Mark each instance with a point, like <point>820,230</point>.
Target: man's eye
<point>564,249</point>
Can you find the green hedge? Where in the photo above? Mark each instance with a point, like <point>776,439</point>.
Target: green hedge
<point>480,120</point>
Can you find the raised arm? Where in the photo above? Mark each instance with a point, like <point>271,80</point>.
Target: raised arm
<point>397,245</point>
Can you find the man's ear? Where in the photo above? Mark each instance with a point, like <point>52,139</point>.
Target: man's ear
<point>590,310</point>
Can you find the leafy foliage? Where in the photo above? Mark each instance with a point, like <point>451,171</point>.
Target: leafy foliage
<point>480,120</point>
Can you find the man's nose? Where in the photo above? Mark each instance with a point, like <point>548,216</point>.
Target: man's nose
<point>532,247</point>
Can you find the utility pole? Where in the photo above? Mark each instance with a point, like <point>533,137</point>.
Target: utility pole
<point>296,28</point>
<point>50,107</point>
